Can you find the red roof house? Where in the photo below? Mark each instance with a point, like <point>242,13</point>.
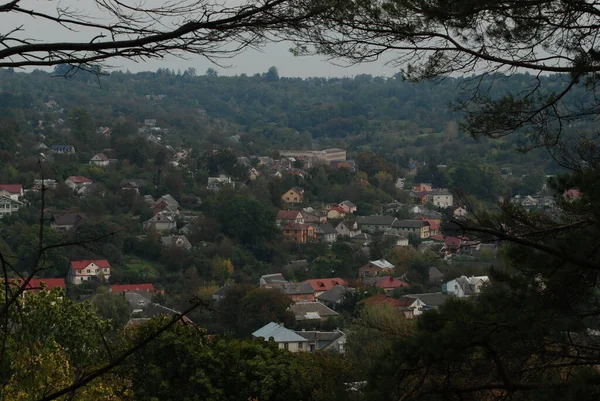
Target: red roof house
<point>35,284</point>
<point>320,285</point>
<point>13,189</point>
<point>84,270</point>
<point>390,283</point>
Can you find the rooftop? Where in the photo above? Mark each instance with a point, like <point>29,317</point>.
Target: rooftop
<point>278,333</point>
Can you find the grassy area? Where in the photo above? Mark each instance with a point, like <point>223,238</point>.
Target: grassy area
<point>146,268</point>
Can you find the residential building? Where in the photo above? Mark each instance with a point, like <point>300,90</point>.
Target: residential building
<point>435,275</point>
<point>397,238</point>
<point>442,199</point>
<point>9,206</point>
<point>166,200</point>
<point>144,310</point>
<point>335,155</point>
<point>285,338</point>
<point>293,196</point>
<point>325,340</point>
<point>430,300</point>
<point>389,284</point>
<point>287,217</point>
<point>325,156</point>
<point>376,223</point>
<point>423,187</point>
<point>13,191</point>
<point>312,311</point>
<point>348,228</point>
<point>348,206</point>
<point>335,296</point>
<point>418,228</point>
<point>312,216</point>
<point>336,213</point>
<point>37,284</point>
<point>77,182</point>
<point>67,221</point>
<point>62,149</point>
<point>376,268</point>
<point>133,184</point>
<point>299,233</point>
<point>460,212</point>
<point>38,185</point>
<point>320,285</point>
<point>216,183</point>
<point>464,286</point>
<point>161,221</point>
<point>271,278</point>
<point>179,241</point>
<point>362,239</point>
<point>326,233</point>
<point>434,225</point>
<point>99,160</point>
<point>81,271</point>
<point>298,292</point>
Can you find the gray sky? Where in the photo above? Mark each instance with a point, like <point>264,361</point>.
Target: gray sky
<point>249,62</point>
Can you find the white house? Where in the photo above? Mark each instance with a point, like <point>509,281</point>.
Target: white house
<point>162,221</point>
<point>13,191</point>
<point>216,183</point>
<point>441,199</point>
<point>9,206</point>
<point>99,160</point>
<point>464,286</point>
<point>76,182</point>
<point>81,271</point>
<point>285,338</point>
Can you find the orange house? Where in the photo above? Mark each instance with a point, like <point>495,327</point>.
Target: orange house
<point>423,187</point>
<point>299,233</point>
<point>294,195</point>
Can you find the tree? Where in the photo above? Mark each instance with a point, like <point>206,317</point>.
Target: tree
<point>109,31</point>
<point>272,75</point>
<point>432,39</point>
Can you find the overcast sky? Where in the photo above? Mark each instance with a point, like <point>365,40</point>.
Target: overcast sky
<point>249,62</point>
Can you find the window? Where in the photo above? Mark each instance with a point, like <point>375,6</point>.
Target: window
<point>89,270</point>
<point>299,346</point>
<point>287,198</point>
<point>286,346</point>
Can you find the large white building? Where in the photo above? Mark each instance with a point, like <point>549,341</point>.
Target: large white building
<point>325,156</point>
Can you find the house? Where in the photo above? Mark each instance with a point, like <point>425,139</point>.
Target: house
<point>144,310</point>
<point>460,212</point>
<point>326,233</point>
<point>13,191</point>
<point>311,311</point>
<point>179,241</point>
<point>122,288</point>
<point>335,296</point>
<point>253,174</point>
<point>161,221</point>
<point>294,195</point>
<point>381,299</point>
<point>9,206</point>
<point>299,233</point>
<point>99,160</point>
<point>373,224</point>
<point>465,286</point>
<point>77,182</point>
<point>348,206</point>
<point>423,187</point>
<point>418,228</point>
<point>421,197</point>
<point>325,340</point>
<point>62,149</point>
<point>133,184</point>
<point>312,216</point>
<point>361,239</point>
<point>271,278</point>
<point>67,221</point>
<point>376,268</point>
<point>320,285</point>
<point>81,271</point>
<point>336,213</point>
<point>389,284</point>
<point>572,193</point>
<point>442,199</point>
<point>37,284</point>
<point>216,183</point>
<point>347,228</point>
<point>285,338</point>
<point>40,146</point>
<point>287,217</point>
<point>435,275</point>
<point>396,238</point>
<point>221,293</point>
<point>298,292</point>
<point>165,200</point>
<point>39,185</point>
<point>434,225</point>
<point>430,300</point>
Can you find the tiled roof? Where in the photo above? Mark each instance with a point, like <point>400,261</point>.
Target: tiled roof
<point>279,334</point>
<point>325,284</point>
<point>79,179</point>
<point>102,157</point>
<point>390,282</point>
<point>35,284</point>
<point>82,264</point>
<point>409,224</point>
<point>376,220</point>
<point>12,188</point>
<point>382,299</point>
<point>382,263</point>
<point>308,310</point>
<point>287,214</point>
<point>335,294</point>
<point>430,299</point>
<point>132,287</point>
